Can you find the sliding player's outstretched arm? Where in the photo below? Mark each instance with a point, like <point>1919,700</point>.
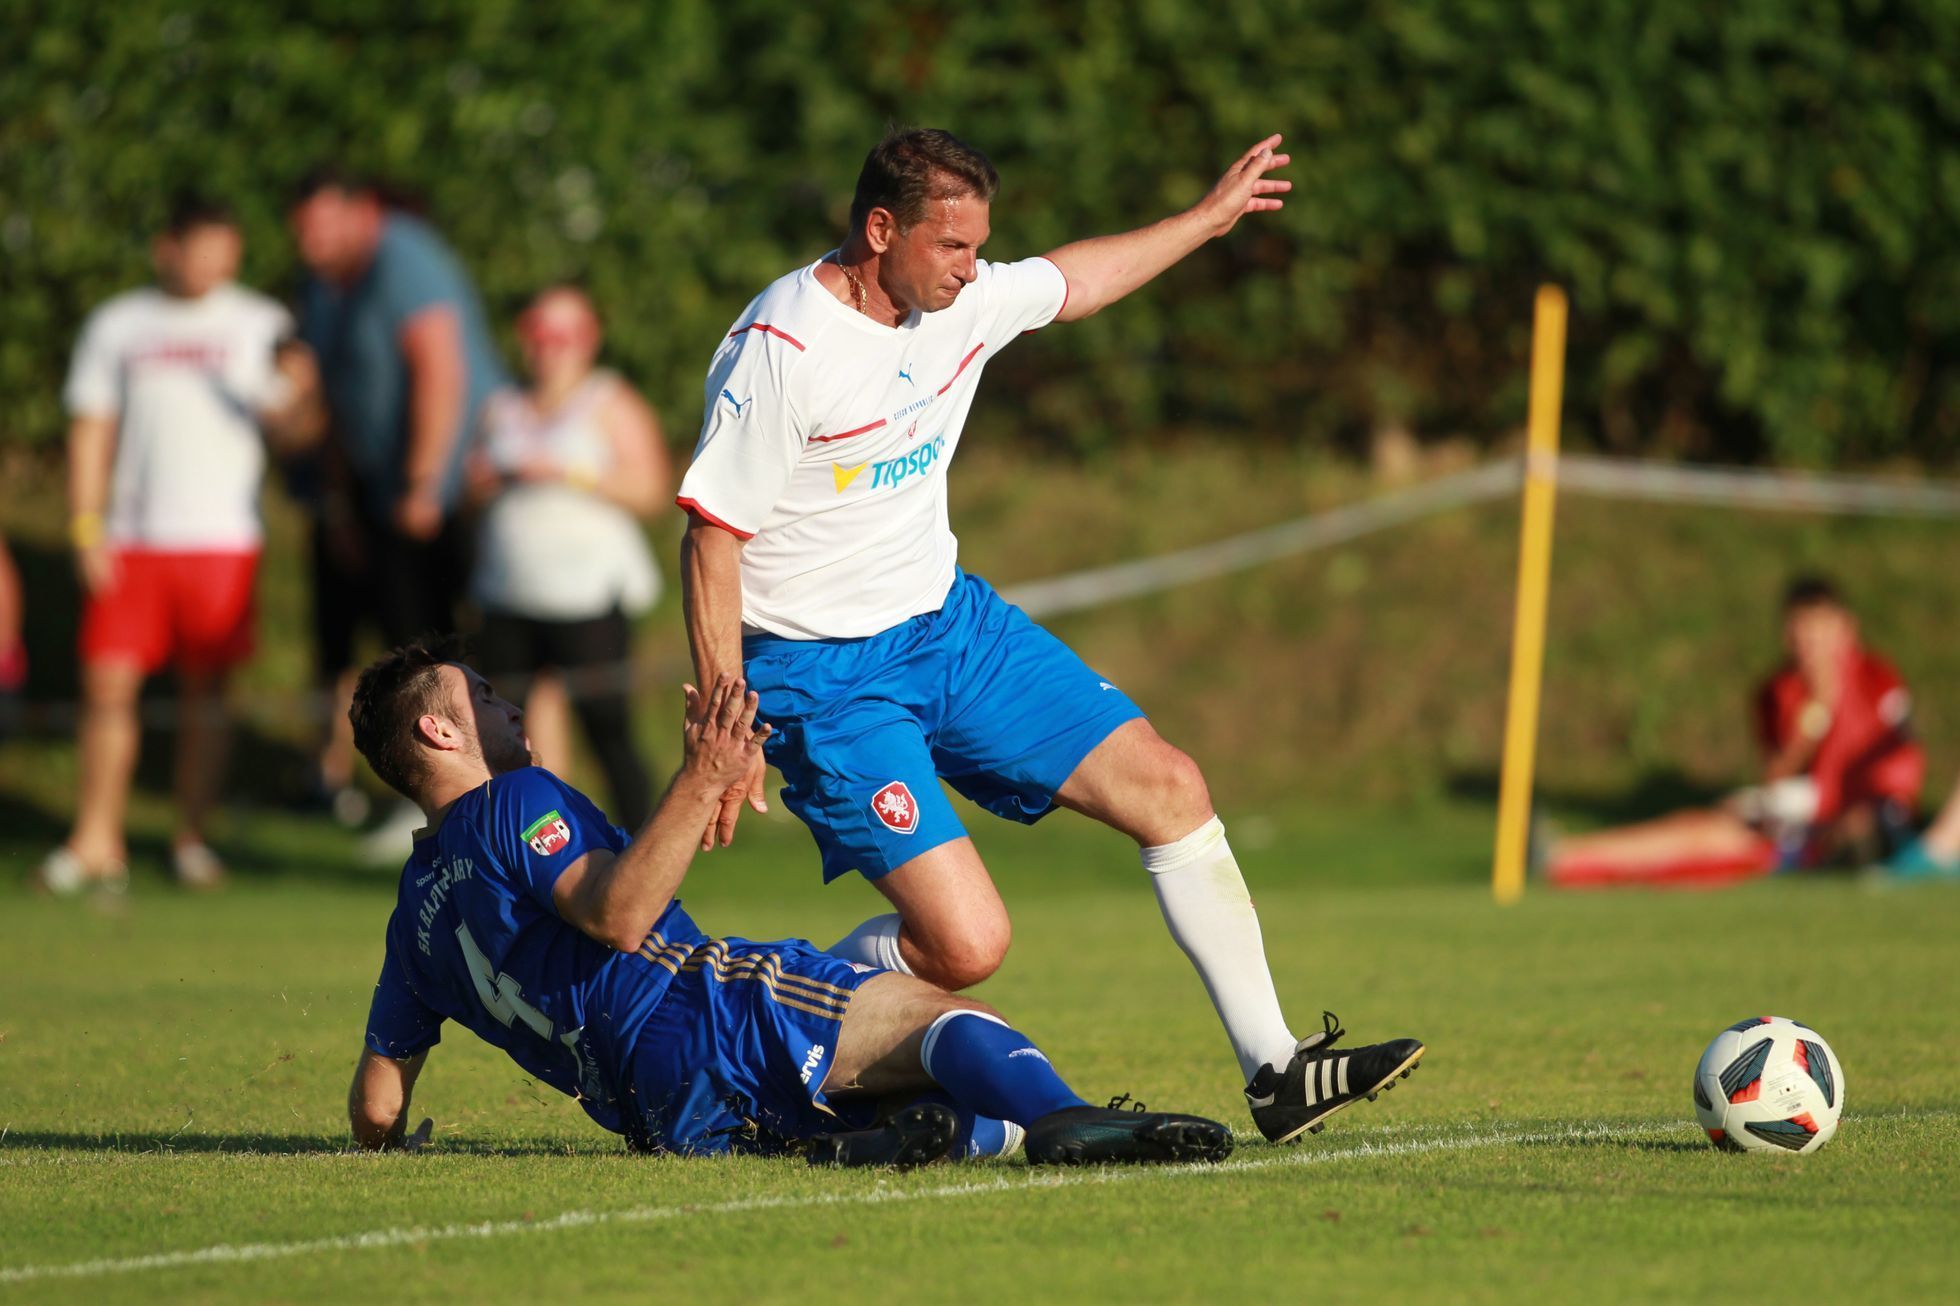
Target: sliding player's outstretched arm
<point>616,899</point>
<point>377,1103</point>
<point>1103,270</point>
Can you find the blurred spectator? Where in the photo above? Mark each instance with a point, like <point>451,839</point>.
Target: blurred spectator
<point>168,391</point>
<point>406,362</point>
<point>1936,853</point>
<point>13,648</point>
<point>565,473</point>
<point>1841,777</point>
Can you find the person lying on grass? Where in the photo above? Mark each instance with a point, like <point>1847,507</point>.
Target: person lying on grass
<point>533,922</point>
<point>1841,771</point>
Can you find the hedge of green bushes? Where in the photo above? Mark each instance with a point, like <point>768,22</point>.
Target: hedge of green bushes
<point>1756,204</point>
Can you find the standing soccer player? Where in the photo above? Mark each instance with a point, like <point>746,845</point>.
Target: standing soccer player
<point>819,563</point>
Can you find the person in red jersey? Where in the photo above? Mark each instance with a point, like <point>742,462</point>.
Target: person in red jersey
<point>1841,773</point>
<point>174,390</point>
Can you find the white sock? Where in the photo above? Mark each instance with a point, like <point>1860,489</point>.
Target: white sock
<point>1210,914</point>
<point>874,943</point>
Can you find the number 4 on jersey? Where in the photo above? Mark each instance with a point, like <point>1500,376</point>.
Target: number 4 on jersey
<point>501,995</point>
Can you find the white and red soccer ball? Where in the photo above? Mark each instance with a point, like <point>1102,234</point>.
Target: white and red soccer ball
<point>1769,1084</point>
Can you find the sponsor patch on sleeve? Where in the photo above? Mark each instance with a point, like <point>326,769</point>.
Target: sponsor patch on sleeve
<point>547,834</point>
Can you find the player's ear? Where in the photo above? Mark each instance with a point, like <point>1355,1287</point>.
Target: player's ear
<point>436,731</point>
<point>880,229</point>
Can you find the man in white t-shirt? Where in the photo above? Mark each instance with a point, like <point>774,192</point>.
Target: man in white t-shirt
<point>168,391</point>
<point>819,563</point>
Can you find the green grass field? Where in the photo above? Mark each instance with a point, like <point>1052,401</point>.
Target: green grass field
<point>172,1079</point>
<point>172,1074</point>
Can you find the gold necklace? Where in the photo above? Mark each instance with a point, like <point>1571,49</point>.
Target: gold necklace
<point>858,296</point>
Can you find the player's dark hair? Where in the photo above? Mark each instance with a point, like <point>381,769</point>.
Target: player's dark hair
<point>190,210</point>
<point>393,693</point>
<point>910,169</point>
<point>1811,591</point>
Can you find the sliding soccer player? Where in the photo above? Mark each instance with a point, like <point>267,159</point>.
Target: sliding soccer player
<point>819,564</point>
<point>533,922</point>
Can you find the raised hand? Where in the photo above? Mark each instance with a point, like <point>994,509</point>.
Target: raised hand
<point>1245,187</point>
<point>724,747</point>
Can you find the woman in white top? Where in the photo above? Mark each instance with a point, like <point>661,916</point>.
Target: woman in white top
<point>565,473</point>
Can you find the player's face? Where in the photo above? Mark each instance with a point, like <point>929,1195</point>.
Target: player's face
<point>499,723</point>
<point>200,260</point>
<point>560,337</point>
<point>930,264</point>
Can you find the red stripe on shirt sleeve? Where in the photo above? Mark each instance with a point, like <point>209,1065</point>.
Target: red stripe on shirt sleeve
<point>767,330</point>
<point>689,505</point>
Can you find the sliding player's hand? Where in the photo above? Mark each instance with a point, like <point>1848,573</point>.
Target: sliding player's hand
<point>1245,187</point>
<point>724,747</point>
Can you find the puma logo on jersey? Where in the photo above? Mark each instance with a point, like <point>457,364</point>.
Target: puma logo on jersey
<point>845,475</point>
<point>905,376</point>
<point>737,404</point>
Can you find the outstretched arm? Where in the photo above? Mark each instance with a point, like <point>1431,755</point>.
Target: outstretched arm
<point>1103,270</point>
<point>377,1104</point>
<point>616,899</point>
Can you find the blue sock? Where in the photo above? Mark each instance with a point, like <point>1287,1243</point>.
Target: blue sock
<point>979,1137</point>
<point>992,1070</point>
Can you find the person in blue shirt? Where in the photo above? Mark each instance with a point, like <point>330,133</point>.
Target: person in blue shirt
<point>406,363</point>
<point>533,922</point>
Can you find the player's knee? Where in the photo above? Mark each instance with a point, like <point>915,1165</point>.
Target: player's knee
<point>1180,793</point>
<point>963,960</point>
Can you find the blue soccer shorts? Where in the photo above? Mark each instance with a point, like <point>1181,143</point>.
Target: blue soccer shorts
<point>975,694</point>
<point>735,1055</point>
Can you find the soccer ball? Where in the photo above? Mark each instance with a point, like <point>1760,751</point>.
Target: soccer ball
<point>1769,1084</point>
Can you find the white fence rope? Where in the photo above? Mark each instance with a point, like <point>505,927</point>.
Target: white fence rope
<point>1612,478</point>
<point>1100,585</point>
<point>1615,478</point>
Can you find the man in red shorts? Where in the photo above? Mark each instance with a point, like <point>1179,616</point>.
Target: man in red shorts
<point>1841,774</point>
<point>168,391</point>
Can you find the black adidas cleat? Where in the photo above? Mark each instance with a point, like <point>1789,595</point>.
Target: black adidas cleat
<point>1091,1135</point>
<point>1319,1081</point>
<point>916,1136</point>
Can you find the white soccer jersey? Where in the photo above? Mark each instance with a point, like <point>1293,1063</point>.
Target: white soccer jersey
<point>826,441</point>
<point>184,379</point>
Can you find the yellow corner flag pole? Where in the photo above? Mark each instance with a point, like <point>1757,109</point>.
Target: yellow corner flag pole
<point>1534,579</point>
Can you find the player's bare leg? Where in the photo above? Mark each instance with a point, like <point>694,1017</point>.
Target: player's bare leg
<point>883,1031</point>
<point>1136,782</point>
<point>901,1033</point>
<point>203,746</point>
<point>108,741</point>
<point>951,927</point>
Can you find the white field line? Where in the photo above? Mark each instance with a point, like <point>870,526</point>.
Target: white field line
<point>1016,1182</point>
<point>1041,1180</point>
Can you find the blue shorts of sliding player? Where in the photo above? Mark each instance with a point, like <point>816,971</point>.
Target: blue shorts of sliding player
<point>975,694</point>
<point>735,1055</point>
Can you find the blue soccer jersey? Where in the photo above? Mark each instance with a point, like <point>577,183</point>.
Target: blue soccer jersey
<point>475,938</point>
